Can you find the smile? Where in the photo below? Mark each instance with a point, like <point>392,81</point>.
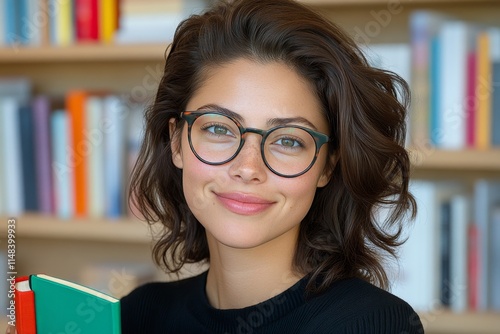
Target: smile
<point>243,204</point>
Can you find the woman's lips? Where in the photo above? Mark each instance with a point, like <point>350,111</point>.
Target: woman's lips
<point>243,204</point>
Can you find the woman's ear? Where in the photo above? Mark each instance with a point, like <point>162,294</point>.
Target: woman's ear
<point>328,171</point>
<point>175,143</point>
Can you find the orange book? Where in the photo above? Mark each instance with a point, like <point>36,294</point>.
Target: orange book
<point>25,307</point>
<point>483,92</point>
<point>80,146</point>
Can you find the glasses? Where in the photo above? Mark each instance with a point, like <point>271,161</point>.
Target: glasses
<point>287,150</point>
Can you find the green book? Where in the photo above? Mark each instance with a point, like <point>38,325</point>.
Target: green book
<point>66,307</point>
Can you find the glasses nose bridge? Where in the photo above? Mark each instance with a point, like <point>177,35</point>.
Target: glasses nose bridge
<point>260,132</point>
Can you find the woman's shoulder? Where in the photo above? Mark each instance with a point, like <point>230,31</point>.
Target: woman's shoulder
<point>159,290</point>
<point>356,306</point>
<point>151,301</point>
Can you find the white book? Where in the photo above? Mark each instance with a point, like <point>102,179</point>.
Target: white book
<point>10,138</point>
<point>455,38</point>
<point>95,159</point>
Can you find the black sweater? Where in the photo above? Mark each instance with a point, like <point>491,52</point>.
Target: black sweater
<point>349,306</point>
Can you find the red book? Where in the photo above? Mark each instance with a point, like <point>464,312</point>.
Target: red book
<point>471,101</point>
<point>87,20</point>
<point>25,307</point>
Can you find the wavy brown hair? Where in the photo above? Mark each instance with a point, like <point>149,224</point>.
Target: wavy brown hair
<point>364,106</point>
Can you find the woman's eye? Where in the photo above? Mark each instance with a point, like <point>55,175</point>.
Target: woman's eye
<point>219,130</point>
<point>288,142</point>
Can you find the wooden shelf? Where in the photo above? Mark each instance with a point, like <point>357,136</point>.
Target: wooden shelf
<point>461,323</point>
<point>386,3</point>
<point>48,227</point>
<point>83,53</point>
<point>460,160</point>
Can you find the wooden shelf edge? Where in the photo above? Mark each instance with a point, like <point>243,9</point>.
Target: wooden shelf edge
<point>83,53</point>
<point>460,160</point>
<point>124,230</point>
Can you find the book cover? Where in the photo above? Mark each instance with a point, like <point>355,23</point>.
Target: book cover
<point>24,307</point>
<point>63,306</point>
<point>80,147</point>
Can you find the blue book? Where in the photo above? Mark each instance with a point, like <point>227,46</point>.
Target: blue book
<point>26,129</point>
<point>11,36</point>
<point>434,126</point>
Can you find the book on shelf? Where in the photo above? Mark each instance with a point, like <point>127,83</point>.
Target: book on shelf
<point>69,158</point>
<point>62,306</point>
<point>453,78</point>
<point>56,22</point>
<point>417,275</point>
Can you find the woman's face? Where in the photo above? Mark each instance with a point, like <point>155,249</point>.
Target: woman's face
<point>242,203</point>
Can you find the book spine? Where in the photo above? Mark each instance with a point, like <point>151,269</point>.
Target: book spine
<point>24,307</point>
<point>495,259</point>
<point>75,105</point>
<point>62,169</point>
<point>472,104</point>
<point>9,109</point>
<point>454,41</point>
<point>41,115</point>
<point>86,12</point>
<point>108,20</point>
<point>26,129</point>
<point>483,119</point>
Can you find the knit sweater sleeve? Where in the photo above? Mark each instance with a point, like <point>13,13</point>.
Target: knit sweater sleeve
<point>393,319</point>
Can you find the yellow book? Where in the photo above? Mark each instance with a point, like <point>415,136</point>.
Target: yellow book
<point>108,20</point>
<point>65,25</point>
<point>483,92</point>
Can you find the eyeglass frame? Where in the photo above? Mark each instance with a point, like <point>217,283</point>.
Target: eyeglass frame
<point>319,139</point>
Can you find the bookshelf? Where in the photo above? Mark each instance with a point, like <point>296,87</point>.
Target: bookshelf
<point>122,67</point>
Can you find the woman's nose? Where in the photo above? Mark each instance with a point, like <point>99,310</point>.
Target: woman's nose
<point>248,165</point>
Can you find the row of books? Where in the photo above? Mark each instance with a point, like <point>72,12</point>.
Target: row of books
<point>61,23</point>
<point>455,82</point>
<point>56,22</point>
<point>68,158</point>
<point>452,256</point>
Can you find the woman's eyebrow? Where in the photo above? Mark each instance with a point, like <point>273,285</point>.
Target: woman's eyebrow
<point>272,122</point>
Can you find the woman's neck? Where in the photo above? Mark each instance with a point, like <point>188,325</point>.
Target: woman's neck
<point>239,278</point>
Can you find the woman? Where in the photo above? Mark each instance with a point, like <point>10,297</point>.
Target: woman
<point>269,147</point>
<point>267,151</point>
